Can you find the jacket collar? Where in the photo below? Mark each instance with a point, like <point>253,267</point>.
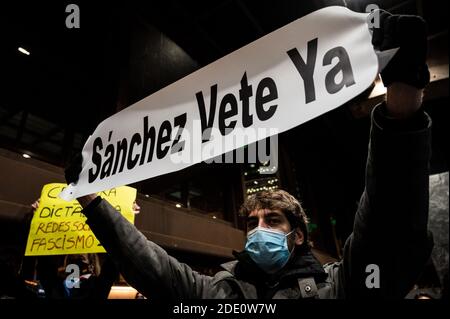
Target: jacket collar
<point>302,264</point>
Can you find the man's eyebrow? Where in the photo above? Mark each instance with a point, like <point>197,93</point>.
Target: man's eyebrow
<point>265,215</point>
<point>273,214</point>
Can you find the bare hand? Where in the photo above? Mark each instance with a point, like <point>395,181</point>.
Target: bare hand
<point>35,205</point>
<point>136,208</point>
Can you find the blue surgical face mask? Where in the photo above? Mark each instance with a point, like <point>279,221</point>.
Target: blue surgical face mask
<point>268,248</point>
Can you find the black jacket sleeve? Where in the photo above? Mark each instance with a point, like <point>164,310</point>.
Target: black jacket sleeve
<point>390,228</point>
<point>144,265</point>
<point>105,280</point>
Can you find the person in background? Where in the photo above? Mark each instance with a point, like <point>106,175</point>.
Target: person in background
<point>95,281</point>
<point>13,241</point>
<point>12,284</point>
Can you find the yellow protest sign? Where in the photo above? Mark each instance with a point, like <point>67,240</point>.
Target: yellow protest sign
<point>59,227</point>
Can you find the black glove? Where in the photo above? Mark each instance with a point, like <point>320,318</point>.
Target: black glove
<point>74,169</point>
<point>409,63</point>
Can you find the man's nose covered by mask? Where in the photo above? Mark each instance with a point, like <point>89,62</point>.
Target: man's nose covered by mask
<point>268,248</point>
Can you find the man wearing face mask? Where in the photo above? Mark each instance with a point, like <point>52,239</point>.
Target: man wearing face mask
<point>277,250</point>
<point>390,228</point>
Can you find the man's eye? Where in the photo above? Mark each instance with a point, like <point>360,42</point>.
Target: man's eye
<point>251,225</point>
<point>273,221</point>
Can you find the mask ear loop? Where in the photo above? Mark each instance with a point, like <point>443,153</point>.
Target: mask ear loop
<point>293,247</point>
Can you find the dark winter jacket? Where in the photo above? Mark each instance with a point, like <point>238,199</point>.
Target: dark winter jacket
<point>389,242</point>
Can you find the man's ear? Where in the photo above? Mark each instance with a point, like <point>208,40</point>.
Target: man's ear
<point>299,237</point>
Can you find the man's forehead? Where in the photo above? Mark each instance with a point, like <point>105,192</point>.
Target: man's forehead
<point>261,212</point>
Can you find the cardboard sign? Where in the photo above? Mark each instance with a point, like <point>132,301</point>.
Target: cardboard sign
<point>59,227</point>
<point>288,77</point>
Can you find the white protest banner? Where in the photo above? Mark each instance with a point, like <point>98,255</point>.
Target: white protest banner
<point>271,85</point>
